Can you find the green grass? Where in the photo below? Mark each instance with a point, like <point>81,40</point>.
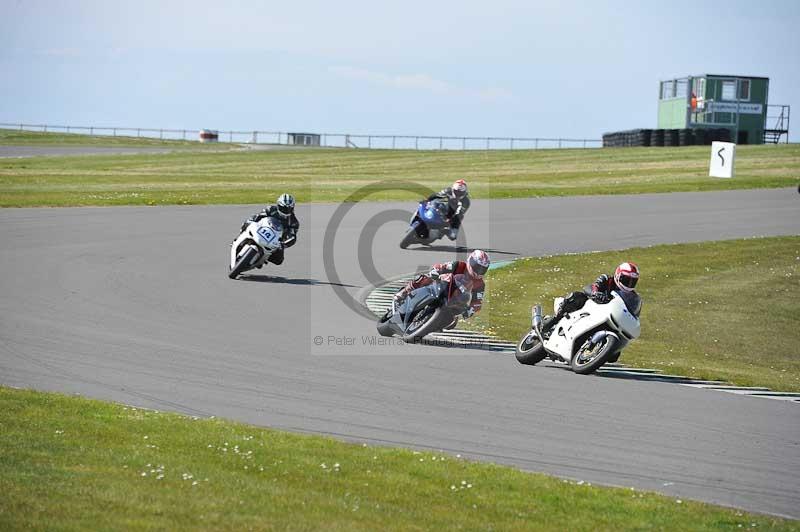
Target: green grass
<point>330,175</point>
<point>726,310</point>
<point>74,464</point>
<point>14,137</point>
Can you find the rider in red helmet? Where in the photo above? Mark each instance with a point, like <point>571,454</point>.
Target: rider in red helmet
<point>475,266</point>
<point>623,282</point>
<point>457,197</point>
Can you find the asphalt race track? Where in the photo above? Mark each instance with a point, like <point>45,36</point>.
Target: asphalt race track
<point>134,305</point>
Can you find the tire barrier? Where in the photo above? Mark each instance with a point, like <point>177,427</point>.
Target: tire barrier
<point>665,137</point>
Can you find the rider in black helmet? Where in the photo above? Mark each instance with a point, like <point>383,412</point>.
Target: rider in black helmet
<point>284,211</point>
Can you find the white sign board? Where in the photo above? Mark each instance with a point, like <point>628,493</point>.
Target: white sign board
<point>733,107</point>
<point>723,157</point>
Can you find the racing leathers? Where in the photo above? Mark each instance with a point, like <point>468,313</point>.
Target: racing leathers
<point>456,207</point>
<point>448,268</point>
<point>600,292</point>
<point>290,228</point>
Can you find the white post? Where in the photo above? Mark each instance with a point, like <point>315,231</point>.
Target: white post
<point>723,159</point>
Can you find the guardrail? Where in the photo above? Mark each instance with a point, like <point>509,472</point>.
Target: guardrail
<point>331,140</point>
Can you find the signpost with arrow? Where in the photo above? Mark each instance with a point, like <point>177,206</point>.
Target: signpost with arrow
<point>723,157</point>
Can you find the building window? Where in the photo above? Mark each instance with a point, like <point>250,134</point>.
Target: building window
<point>728,90</point>
<point>700,87</point>
<point>667,89</point>
<point>681,88</point>
<point>744,89</point>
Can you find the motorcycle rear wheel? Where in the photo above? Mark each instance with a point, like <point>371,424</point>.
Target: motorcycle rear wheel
<point>530,350</point>
<point>384,327</point>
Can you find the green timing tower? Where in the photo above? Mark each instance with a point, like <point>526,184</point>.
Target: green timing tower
<point>711,101</point>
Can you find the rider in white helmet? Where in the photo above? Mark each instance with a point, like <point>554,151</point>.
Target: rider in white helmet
<point>284,211</point>
<point>457,197</point>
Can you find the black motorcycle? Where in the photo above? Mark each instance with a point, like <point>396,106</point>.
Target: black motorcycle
<point>428,309</point>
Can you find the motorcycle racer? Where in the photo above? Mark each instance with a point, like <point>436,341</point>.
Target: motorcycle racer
<point>475,267</point>
<point>458,202</point>
<point>624,281</point>
<point>284,211</point>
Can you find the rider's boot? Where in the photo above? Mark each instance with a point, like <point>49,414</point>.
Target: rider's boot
<point>452,234</point>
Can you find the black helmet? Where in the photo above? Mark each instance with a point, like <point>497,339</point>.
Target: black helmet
<point>285,205</point>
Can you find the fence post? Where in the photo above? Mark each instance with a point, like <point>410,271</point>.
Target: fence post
<point>91,130</point>
<point>230,136</point>
<point>161,134</point>
<point>416,143</point>
<point>138,132</point>
<point>255,137</point>
<point>184,134</point>
<point>487,143</point>
<point>44,128</point>
<point>559,144</point>
<point>584,143</point>
<point>463,144</point>
<point>115,132</point>
<point>512,144</point>
<point>369,141</point>
<point>440,143</point>
<point>394,139</point>
<point>535,144</point>
<point>67,129</point>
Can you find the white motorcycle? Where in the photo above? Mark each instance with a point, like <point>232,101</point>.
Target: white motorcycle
<point>253,247</point>
<point>585,339</point>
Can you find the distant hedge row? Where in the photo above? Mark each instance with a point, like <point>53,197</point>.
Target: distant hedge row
<point>665,137</point>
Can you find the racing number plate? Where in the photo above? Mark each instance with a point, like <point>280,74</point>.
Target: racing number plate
<point>266,234</point>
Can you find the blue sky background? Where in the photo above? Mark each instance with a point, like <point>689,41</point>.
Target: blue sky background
<point>501,68</point>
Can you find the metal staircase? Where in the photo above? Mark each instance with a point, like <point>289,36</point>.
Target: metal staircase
<point>778,118</point>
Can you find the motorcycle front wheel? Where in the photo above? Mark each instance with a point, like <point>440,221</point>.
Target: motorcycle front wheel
<point>530,350</point>
<point>410,237</point>
<point>590,356</point>
<point>243,263</point>
<point>431,323</point>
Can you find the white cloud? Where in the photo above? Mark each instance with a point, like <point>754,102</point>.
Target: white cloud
<point>420,82</point>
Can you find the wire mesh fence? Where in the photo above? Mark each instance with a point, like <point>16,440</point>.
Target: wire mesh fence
<point>331,140</point>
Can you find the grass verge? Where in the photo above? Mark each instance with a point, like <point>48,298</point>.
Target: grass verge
<point>237,177</point>
<point>727,310</point>
<point>75,464</point>
<point>14,137</point>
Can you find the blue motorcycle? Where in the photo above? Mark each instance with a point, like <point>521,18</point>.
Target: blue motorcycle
<point>428,223</point>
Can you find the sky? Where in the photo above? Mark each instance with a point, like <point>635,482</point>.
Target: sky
<point>505,68</point>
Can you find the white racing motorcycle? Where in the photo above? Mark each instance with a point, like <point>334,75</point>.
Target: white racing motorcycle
<point>585,339</point>
<point>252,248</point>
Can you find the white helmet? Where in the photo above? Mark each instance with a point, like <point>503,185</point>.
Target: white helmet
<point>478,263</point>
<point>285,205</point>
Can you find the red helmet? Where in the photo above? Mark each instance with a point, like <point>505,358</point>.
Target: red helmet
<point>459,189</point>
<point>478,263</point>
<point>626,276</point>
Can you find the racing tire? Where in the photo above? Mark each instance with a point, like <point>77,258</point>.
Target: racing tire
<point>433,324</point>
<point>243,263</point>
<point>605,348</point>
<point>384,327</point>
<point>410,237</point>
<point>530,352</point>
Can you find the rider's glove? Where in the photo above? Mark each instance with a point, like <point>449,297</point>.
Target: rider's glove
<point>601,297</point>
<point>601,281</point>
<point>434,273</point>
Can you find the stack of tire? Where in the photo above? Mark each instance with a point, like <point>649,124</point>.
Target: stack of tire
<point>670,137</point>
<point>686,137</point>
<point>657,137</point>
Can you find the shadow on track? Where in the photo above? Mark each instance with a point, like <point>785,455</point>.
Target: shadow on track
<point>460,249</point>
<point>285,280</point>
